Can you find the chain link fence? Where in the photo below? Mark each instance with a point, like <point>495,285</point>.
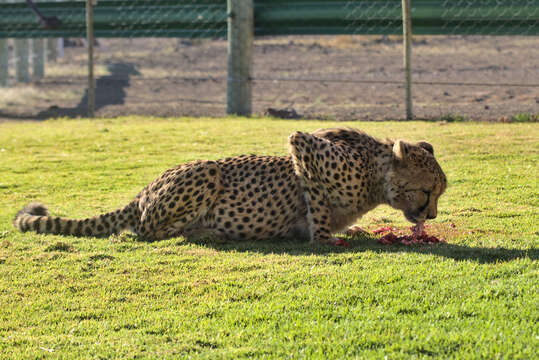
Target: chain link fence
<point>322,59</point>
<point>490,75</point>
<point>144,52</point>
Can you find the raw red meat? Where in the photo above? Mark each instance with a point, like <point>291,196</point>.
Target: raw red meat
<point>383,229</point>
<point>341,242</point>
<point>418,236</point>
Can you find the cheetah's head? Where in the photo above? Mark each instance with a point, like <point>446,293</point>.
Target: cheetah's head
<point>415,181</point>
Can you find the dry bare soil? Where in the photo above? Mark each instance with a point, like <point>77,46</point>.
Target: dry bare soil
<point>342,78</point>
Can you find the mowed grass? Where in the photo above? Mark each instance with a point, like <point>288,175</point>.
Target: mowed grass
<point>118,297</point>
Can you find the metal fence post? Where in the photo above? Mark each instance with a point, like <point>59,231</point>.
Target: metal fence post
<point>240,56</point>
<point>53,45</point>
<point>90,39</point>
<point>4,62</point>
<point>52,50</point>
<point>407,52</point>
<point>38,59</point>
<point>22,54</point>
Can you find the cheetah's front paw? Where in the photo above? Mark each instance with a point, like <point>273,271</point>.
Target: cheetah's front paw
<point>356,230</point>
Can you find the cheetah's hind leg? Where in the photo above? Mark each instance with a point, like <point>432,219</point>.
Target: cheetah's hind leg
<point>185,195</point>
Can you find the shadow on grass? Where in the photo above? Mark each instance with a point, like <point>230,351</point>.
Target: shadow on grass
<point>451,251</point>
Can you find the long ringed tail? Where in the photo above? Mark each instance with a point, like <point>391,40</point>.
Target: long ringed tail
<point>36,217</point>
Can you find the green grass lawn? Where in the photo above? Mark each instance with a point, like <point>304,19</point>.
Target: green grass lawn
<point>117,297</point>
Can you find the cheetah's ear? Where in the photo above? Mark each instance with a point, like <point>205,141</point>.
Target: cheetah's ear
<point>425,145</point>
<point>400,150</point>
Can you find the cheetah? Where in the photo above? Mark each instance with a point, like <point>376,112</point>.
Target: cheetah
<point>330,178</point>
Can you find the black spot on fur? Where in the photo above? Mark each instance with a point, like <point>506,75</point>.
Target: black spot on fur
<point>78,229</point>
<point>36,209</point>
<point>68,225</point>
<point>57,224</point>
<point>36,224</point>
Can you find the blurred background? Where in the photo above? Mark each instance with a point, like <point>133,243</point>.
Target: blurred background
<point>324,59</point>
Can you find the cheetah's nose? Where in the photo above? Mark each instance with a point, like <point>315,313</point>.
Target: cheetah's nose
<point>431,216</point>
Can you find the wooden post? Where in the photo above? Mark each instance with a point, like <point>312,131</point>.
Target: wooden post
<point>90,39</point>
<point>4,62</point>
<point>240,57</point>
<point>407,52</point>
<point>38,59</point>
<point>22,53</point>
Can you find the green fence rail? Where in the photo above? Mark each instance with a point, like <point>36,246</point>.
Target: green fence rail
<point>137,18</point>
<point>207,18</point>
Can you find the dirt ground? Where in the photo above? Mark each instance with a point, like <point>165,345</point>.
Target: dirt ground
<point>326,77</point>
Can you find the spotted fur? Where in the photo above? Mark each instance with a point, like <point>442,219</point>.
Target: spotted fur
<point>331,178</point>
